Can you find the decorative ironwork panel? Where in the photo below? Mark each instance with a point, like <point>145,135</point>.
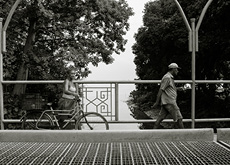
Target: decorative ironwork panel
<point>99,98</point>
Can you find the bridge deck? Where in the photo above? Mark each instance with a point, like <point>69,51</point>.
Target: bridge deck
<point>113,147</point>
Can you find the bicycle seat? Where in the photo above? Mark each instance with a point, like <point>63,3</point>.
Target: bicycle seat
<point>68,113</point>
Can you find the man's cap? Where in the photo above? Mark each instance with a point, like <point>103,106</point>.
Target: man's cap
<point>173,66</point>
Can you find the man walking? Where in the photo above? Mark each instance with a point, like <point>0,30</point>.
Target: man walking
<point>167,96</point>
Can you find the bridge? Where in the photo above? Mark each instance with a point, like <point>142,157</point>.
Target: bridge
<point>186,146</point>
<point>144,147</point>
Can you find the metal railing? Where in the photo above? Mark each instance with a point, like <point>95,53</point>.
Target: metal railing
<point>106,98</point>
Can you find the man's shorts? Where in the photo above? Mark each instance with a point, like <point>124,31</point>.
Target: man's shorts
<point>171,109</point>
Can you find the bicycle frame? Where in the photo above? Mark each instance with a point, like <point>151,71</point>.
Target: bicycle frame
<point>74,113</point>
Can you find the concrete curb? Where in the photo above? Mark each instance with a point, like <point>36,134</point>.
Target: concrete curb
<point>223,134</point>
<point>106,136</point>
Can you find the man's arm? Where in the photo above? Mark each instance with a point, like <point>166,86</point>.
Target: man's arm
<point>158,98</point>
<point>180,88</point>
<point>164,84</point>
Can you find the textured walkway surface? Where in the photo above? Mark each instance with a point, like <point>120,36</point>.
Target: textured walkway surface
<point>184,153</point>
<point>130,147</point>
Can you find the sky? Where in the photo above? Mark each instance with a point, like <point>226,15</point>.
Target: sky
<point>123,67</point>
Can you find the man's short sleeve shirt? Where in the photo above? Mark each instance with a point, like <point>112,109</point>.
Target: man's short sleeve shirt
<point>168,87</point>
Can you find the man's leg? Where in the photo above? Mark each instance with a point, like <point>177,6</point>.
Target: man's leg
<point>174,110</point>
<point>162,114</point>
<point>180,123</point>
<point>157,123</point>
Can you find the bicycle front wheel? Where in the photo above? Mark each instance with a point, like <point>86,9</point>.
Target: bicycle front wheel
<point>92,121</point>
<point>34,120</point>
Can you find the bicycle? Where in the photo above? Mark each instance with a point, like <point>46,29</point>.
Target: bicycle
<point>48,119</point>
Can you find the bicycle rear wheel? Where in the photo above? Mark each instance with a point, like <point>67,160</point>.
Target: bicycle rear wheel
<point>31,119</point>
<point>92,121</point>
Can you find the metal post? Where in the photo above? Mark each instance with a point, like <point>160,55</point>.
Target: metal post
<point>193,71</point>
<point>1,78</point>
<point>116,102</point>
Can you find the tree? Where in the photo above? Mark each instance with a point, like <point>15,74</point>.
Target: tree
<point>44,36</point>
<point>164,39</point>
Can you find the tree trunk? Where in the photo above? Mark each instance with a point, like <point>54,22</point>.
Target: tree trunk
<point>23,69</point>
<point>21,75</point>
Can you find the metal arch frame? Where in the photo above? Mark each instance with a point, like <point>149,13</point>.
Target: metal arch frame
<point>7,23</point>
<point>193,47</point>
<point>3,49</point>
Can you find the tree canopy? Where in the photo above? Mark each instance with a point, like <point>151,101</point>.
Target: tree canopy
<point>164,39</point>
<point>43,37</point>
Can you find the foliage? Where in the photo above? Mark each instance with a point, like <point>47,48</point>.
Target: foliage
<point>12,109</point>
<point>164,39</point>
<point>46,37</point>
